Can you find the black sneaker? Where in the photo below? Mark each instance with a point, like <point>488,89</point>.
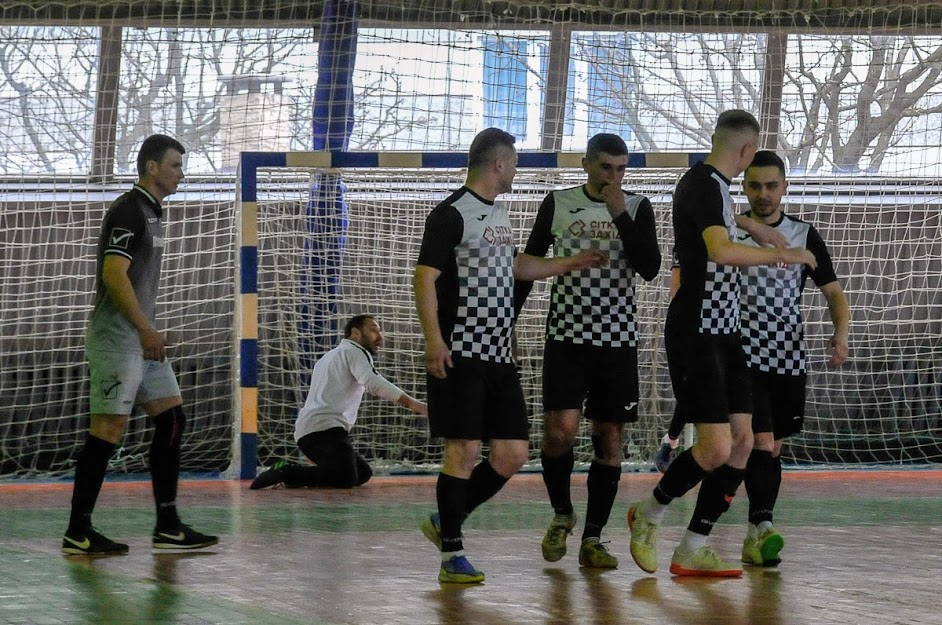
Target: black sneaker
<point>272,477</point>
<point>91,543</point>
<point>182,537</point>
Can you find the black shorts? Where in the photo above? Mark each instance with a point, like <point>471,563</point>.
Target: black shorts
<point>605,379</point>
<point>709,376</point>
<point>778,403</point>
<point>478,400</point>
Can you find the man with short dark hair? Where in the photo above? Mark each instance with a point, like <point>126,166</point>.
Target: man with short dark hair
<point>773,338</point>
<point>127,358</point>
<point>322,430</point>
<point>464,283</point>
<point>705,355</point>
<point>591,354</point>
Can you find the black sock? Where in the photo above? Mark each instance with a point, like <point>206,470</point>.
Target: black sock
<point>716,495</point>
<point>602,485</point>
<point>683,474</point>
<point>760,485</point>
<point>165,467</point>
<point>90,469</point>
<point>556,475</point>
<point>452,495</point>
<point>485,482</point>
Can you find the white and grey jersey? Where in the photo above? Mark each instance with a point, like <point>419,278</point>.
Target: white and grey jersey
<point>470,240</point>
<point>773,334</point>
<point>132,228</point>
<point>595,306</point>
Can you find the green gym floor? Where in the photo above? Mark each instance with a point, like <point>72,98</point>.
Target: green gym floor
<point>861,547</point>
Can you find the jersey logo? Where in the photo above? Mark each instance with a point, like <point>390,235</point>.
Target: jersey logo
<point>743,237</point>
<point>631,405</point>
<point>573,211</point>
<point>577,227</point>
<point>482,217</point>
<point>121,238</point>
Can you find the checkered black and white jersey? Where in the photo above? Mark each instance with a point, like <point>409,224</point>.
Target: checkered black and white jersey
<point>470,240</point>
<point>709,292</point>
<point>595,306</point>
<point>773,335</point>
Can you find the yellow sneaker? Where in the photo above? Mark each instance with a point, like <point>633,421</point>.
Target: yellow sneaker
<point>764,549</point>
<point>702,562</point>
<point>594,555</point>
<point>554,541</point>
<point>643,540</point>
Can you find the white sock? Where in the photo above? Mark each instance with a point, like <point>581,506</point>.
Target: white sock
<point>764,525</point>
<point>692,541</point>
<point>448,555</point>
<point>673,442</point>
<point>652,510</point>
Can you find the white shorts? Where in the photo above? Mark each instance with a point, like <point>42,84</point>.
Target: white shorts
<point>118,381</point>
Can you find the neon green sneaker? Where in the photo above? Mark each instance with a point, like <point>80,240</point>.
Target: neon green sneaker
<point>554,541</point>
<point>432,529</point>
<point>702,562</point>
<point>594,555</point>
<point>764,549</point>
<point>643,540</point>
<point>458,570</point>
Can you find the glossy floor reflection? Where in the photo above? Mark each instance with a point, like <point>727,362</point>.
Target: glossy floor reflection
<point>861,548</point>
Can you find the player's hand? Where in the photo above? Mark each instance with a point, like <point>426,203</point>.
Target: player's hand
<point>763,234</point>
<point>838,349</point>
<point>766,235</point>
<point>153,345</point>
<point>438,359</point>
<point>800,256</point>
<point>587,259</point>
<point>614,199</point>
<point>418,407</point>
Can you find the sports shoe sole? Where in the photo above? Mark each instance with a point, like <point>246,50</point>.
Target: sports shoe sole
<point>770,548</point>
<point>680,571</point>
<point>433,533</point>
<point>199,545</point>
<point>459,578</point>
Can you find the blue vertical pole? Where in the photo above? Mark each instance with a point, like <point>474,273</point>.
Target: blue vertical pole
<point>326,209</point>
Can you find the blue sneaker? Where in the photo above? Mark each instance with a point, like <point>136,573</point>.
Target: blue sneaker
<point>458,570</point>
<point>432,529</point>
<point>664,457</point>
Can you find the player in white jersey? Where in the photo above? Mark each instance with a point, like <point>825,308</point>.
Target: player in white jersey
<point>464,282</point>
<point>591,355</point>
<point>322,430</point>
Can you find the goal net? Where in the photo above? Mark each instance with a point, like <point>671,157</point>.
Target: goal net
<point>319,263</point>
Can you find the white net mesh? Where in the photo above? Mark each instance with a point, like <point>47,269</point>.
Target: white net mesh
<point>839,87</point>
<point>880,407</point>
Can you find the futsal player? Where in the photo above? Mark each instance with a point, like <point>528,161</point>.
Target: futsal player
<point>127,358</point>
<point>464,292</point>
<point>591,354</point>
<point>322,429</point>
<point>705,355</point>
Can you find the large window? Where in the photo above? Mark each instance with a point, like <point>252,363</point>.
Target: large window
<point>47,99</point>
